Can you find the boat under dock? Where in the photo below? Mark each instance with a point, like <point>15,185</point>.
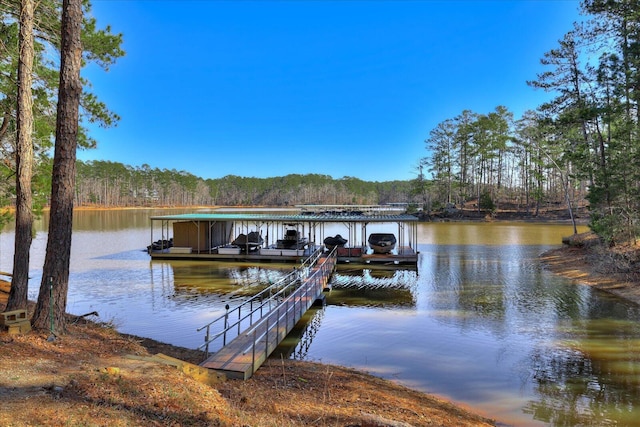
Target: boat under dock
<point>208,236</point>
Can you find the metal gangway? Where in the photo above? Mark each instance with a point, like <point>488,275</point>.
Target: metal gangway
<point>252,330</point>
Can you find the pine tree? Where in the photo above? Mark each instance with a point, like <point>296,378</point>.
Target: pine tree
<point>55,275</point>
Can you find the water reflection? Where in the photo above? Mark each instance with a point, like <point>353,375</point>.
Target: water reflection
<point>373,288</point>
<point>224,278</point>
<point>578,388</point>
<point>492,233</point>
<point>297,344</point>
<point>582,362</point>
<point>107,219</point>
<point>498,283</point>
<point>594,376</point>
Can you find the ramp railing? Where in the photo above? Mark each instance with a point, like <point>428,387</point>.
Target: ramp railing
<point>267,334</point>
<point>245,315</point>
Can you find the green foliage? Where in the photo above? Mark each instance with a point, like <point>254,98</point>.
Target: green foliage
<point>587,136</point>
<point>412,208</point>
<point>607,227</point>
<point>474,153</point>
<point>437,205</point>
<point>101,48</point>
<point>6,216</point>
<point>486,202</point>
<point>610,160</point>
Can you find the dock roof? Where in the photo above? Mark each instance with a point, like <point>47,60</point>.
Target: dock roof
<point>289,218</point>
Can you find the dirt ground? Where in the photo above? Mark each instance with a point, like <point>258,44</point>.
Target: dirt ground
<point>584,259</point>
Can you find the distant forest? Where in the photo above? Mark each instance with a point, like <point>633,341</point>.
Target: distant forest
<point>110,184</point>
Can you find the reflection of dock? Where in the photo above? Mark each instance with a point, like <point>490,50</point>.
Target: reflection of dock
<point>210,236</point>
<point>371,298</point>
<point>374,289</point>
<point>297,343</point>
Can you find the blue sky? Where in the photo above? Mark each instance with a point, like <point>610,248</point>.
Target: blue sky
<point>342,88</point>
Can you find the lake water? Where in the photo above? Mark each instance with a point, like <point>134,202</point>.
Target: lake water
<point>479,322</point>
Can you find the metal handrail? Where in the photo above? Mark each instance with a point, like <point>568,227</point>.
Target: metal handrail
<point>311,283</point>
<point>313,258</point>
<point>248,332</point>
<point>260,296</point>
<point>265,297</point>
<point>248,302</point>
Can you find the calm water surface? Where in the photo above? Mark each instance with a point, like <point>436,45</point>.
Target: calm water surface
<point>479,321</point>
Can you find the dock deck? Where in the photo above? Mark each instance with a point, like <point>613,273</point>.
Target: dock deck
<point>403,255</point>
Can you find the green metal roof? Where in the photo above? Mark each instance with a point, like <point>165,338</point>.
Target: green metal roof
<point>297,218</point>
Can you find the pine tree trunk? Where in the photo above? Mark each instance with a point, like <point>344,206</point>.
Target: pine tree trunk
<point>24,162</point>
<point>55,275</point>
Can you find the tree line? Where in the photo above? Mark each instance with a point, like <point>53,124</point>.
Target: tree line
<point>113,184</point>
<point>494,161</point>
<point>585,141</point>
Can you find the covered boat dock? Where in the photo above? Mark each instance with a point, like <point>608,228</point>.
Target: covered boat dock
<point>284,237</point>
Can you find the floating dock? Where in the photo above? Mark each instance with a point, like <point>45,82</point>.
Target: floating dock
<point>210,235</point>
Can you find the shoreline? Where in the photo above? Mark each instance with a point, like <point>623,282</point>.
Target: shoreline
<point>545,215</point>
<point>591,265</point>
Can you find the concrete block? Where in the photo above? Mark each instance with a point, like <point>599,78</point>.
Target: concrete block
<point>10,317</point>
<point>20,327</point>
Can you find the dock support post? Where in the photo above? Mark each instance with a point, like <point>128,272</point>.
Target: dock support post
<point>206,340</point>
<point>226,326</point>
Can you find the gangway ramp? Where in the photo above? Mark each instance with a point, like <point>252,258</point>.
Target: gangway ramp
<point>268,318</point>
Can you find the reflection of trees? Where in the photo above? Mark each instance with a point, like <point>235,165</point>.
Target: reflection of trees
<point>109,220</point>
<point>190,280</point>
<point>575,390</point>
<point>485,286</point>
<point>255,278</point>
<point>470,281</point>
<point>594,382</point>
<point>114,220</point>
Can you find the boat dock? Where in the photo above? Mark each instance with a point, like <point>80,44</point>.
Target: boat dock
<point>284,237</point>
<point>250,332</point>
